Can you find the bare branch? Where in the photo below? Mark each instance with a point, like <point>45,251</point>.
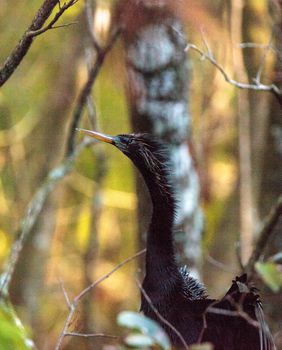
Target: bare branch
<point>238,312</point>
<point>219,264</point>
<point>91,335</point>
<point>101,279</point>
<point>51,25</point>
<point>161,318</point>
<point>264,236</point>
<point>234,313</point>
<point>80,296</point>
<point>34,209</point>
<point>261,46</point>
<point>65,328</point>
<point>86,91</point>
<point>67,299</point>
<point>35,29</point>
<point>258,86</point>
<point>89,21</point>
<point>266,50</point>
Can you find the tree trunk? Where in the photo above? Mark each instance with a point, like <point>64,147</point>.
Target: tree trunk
<point>158,98</point>
<point>271,184</point>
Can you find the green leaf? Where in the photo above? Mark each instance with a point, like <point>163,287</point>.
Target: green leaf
<point>12,333</point>
<point>139,341</point>
<point>146,326</point>
<point>270,274</point>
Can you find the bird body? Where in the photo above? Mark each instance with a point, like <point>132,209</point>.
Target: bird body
<point>236,322</point>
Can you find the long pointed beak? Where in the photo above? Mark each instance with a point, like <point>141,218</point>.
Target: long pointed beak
<point>97,135</point>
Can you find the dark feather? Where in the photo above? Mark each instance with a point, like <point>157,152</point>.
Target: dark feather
<point>238,323</point>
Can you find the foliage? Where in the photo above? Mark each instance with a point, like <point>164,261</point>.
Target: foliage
<point>13,336</point>
<point>146,331</point>
<point>271,274</point>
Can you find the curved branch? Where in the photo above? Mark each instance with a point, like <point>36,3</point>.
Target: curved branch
<point>34,209</point>
<point>36,28</point>
<point>265,235</point>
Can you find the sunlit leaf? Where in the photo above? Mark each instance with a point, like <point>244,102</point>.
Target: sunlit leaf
<point>12,333</point>
<point>139,340</point>
<point>146,326</point>
<point>270,274</point>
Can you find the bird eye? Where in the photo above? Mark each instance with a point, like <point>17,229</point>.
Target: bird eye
<point>129,141</point>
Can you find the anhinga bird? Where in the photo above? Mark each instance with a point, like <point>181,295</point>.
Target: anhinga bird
<point>236,322</point>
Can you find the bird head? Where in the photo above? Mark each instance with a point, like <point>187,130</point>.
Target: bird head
<point>150,156</point>
<point>144,150</point>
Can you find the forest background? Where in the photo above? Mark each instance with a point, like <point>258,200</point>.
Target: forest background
<point>87,225</point>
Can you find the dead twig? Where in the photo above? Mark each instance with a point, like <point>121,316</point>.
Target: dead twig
<point>258,86</point>
<point>55,175</point>
<point>234,313</point>
<point>218,264</point>
<point>91,335</point>
<point>74,304</point>
<point>34,209</point>
<point>36,28</point>
<point>101,52</point>
<point>51,25</point>
<point>264,236</point>
<point>160,317</point>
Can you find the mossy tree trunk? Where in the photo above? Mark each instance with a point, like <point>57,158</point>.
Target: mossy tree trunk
<point>158,86</point>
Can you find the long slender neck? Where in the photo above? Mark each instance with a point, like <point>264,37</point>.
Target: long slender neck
<point>160,252</point>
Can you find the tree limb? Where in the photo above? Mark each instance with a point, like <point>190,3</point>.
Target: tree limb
<point>81,295</point>
<point>264,236</point>
<point>90,335</point>
<point>257,85</point>
<point>160,317</point>
<point>55,175</point>
<point>36,28</point>
<point>34,209</point>
<point>85,92</point>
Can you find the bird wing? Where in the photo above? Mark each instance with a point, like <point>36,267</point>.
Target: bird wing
<point>242,292</point>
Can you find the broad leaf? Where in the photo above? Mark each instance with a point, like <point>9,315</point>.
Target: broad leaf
<point>146,326</point>
<point>139,341</point>
<point>12,333</point>
<point>270,274</point>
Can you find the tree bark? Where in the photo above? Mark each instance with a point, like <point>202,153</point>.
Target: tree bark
<point>271,184</point>
<point>158,85</point>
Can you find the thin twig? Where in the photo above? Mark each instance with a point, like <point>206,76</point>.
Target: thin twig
<point>234,313</point>
<point>34,209</point>
<point>161,318</point>
<point>81,295</point>
<point>258,87</point>
<point>101,279</point>
<point>86,91</point>
<point>35,29</point>
<point>264,236</point>
<point>260,46</point>
<point>89,22</point>
<point>210,57</point>
<point>67,299</point>
<point>65,328</point>
<point>266,50</point>
<point>219,264</point>
<point>51,25</point>
<point>91,335</point>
